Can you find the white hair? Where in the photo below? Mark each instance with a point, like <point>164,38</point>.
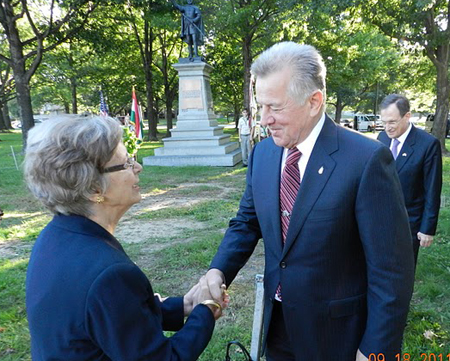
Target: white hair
<point>306,64</point>
<point>64,161</point>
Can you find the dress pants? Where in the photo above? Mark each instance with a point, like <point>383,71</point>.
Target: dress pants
<point>246,147</point>
<point>278,347</point>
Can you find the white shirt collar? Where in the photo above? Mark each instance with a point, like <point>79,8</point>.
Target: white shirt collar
<point>306,147</point>
<point>403,137</point>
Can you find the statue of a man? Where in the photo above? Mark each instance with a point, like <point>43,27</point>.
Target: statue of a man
<point>192,30</point>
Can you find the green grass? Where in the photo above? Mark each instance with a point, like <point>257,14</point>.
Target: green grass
<point>174,262</point>
<point>14,337</point>
<point>428,328</point>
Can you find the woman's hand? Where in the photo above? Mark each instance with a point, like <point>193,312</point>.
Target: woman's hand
<point>190,300</point>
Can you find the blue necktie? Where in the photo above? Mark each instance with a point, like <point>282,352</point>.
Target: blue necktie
<point>394,149</point>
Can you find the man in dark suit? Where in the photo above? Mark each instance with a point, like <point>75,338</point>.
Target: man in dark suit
<point>338,279</point>
<point>419,166</point>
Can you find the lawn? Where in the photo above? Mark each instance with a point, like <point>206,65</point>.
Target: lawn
<point>173,234</point>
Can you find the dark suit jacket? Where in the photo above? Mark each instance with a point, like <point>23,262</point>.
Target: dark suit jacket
<point>419,167</point>
<point>86,300</point>
<point>346,269</point>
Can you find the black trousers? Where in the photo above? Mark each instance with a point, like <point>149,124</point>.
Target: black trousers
<point>278,346</point>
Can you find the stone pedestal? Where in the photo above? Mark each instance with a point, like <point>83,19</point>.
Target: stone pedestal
<point>197,138</point>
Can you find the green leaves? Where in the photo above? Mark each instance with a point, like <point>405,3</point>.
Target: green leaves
<point>130,141</point>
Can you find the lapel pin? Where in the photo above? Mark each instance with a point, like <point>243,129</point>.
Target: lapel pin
<point>404,155</point>
<point>320,170</point>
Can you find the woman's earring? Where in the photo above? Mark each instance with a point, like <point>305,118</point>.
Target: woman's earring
<point>100,199</point>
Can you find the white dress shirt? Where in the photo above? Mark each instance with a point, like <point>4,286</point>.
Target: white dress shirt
<point>305,147</point>
<point>401,139</point>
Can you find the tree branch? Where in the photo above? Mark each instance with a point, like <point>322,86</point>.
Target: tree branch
<point>40,45</point>
<point>136,33</point>
<point>6,60</point>
<point>30,20</point>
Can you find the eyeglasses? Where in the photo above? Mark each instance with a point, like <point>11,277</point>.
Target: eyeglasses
<point>391,122</point>
<point>115,168</point>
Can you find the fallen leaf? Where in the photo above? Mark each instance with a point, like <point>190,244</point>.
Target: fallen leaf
<point>429,334</point>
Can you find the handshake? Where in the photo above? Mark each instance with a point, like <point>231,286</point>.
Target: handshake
<point>210,291</point>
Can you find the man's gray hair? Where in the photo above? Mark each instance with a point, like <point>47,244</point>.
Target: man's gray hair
<point>400,101</point>
<point>305,62</point>
<point>64,158</point>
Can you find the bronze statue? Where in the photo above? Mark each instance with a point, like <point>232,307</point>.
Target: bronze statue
<point>192,30</point>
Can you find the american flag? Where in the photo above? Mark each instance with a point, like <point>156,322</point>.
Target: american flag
<point>103,106</point>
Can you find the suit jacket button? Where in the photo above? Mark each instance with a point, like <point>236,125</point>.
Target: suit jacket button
<point>283,264</point>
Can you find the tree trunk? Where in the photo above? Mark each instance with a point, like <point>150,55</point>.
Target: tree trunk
<point>169,92</point>
<point>73,82</point>
<point>237,109</point>
<point>169,118</point>
<point>21,81</point>
<point>2,120</point>
<point>151,114</point>
<point>25,107</point>
<point>19,62</point>
<point>339,109</point>
<point>6,117</point>
<point>442,107</point>
<point>247,60</point>
<point>73,86</point>
<point>442,94</point>
<point>237,113</point>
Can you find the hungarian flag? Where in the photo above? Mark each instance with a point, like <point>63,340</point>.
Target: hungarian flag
<point>136,117</point>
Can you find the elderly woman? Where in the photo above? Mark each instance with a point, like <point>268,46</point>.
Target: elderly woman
<point>86,300</point>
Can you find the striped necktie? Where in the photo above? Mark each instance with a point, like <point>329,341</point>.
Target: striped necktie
<point>289,186</point>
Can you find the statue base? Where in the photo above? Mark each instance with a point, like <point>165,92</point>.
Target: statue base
<point>197,138</point>
<point>194,59</point>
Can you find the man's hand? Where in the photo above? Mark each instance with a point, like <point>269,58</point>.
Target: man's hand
<point>425,239</point>
<point>360,356</point>
<point>215,281</point>
<point>201,292</point>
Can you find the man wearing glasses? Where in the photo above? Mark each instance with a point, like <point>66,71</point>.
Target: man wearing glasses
<point>419,165</point>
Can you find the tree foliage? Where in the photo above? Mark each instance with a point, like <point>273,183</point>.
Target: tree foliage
<point>31,29</point>
<point>419,25</point>
<point>371,48</point>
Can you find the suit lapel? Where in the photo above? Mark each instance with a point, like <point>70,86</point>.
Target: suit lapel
<point>269,185</point>
<point>407,149</point>
<point>317,173</point>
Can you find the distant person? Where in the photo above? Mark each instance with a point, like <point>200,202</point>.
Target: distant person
<point>86,300</point>
<point>245,134</point>
<point>419,166</point>
<point>338,279</point>
<point>192,31</point>
<point>1,214</point>
<point>264,132</point>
